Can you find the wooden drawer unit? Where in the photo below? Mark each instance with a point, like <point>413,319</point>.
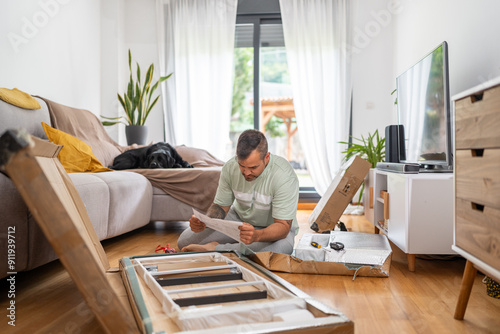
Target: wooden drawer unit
<point>477,120</point>
<point>477,231</point>
<point>477,176</point>
<point>477,185</point>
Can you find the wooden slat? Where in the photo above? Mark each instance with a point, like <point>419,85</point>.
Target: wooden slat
<point>73,251</point>
<point>477,231</point>
<point>477,120</point>
<point>477,178</point>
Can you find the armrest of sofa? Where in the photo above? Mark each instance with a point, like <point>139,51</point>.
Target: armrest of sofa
<point>14,221</point>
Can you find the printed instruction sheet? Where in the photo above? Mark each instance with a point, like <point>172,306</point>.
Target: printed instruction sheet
<point>228,227</point>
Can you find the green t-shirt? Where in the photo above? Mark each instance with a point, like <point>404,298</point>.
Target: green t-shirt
<point>274,194</point>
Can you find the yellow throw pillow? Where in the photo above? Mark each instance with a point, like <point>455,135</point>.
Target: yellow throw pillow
<point>76,156</point>
<point>19,98</point>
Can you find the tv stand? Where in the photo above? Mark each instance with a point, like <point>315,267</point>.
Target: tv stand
<point>415,211</point>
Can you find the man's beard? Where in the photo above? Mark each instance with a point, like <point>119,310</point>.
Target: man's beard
<point>250,178</point>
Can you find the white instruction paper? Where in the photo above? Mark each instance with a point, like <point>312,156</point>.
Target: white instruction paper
<point>228,227</point>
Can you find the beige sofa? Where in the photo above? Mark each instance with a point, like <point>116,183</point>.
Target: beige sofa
<point>117,202</point>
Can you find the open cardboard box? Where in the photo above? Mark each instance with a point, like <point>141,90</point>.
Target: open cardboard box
<point>366,255</point>
<point>122,299</point>
<point>324,218</point>
<point>339,194</point>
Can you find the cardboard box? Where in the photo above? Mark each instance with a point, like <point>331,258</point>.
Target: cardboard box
<point>137,302</point>
<point>339,194</point>
<point>364,254</point>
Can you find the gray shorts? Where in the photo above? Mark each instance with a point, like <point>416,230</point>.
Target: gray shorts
<point>188,237</point>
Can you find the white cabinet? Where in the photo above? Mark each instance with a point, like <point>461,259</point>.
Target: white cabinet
<point>415,211</point>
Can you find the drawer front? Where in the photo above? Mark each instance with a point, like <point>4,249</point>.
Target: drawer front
<point>477,176</point>
<point>477,120</point>
<point>477,231</point>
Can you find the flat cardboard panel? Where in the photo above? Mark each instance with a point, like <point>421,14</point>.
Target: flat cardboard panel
<point>339,194</point>
<point>290,264</point>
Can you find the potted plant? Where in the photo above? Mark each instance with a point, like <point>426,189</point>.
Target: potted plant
<point>371,149</point>
<point>137,102</point>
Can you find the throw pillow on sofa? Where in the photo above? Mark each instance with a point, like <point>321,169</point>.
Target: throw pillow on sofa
<point>84,125</point>
<point>76,156</point>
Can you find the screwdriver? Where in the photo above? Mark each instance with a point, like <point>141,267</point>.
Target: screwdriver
<point>315,244</point>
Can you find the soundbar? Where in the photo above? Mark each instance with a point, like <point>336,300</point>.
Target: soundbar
<point>405,168</point>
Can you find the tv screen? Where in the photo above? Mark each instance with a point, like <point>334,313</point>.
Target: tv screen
<point>423,101</point>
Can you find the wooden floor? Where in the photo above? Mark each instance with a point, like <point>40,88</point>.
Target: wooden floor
<point>423,301</point>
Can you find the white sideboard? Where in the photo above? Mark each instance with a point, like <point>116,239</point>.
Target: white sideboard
<point>415,211</point>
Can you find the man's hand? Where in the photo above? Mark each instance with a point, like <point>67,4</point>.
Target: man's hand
<point>276,231</point>
<point>196,225</point>
<point>248,233</point>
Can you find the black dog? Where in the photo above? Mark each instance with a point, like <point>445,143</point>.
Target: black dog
<point>159,155</point>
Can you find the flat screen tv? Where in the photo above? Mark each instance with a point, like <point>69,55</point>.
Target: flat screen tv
<point>423,104</point>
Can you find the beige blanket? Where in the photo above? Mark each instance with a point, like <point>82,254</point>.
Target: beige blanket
<point>193,186</point>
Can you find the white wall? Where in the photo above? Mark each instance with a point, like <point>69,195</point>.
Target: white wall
<point>74,52</point>
<point>372,59</point>
<point>51,48</point>
<point>140,37</point>
<point>414,29</point>
<point>129,24</point>
<point>113,63</point>
<point>470,27</point>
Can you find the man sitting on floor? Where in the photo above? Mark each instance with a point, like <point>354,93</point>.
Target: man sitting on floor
<point>257,188</point>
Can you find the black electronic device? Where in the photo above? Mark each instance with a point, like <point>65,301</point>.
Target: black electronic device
<point>336,246</point>
<point>394,143</point>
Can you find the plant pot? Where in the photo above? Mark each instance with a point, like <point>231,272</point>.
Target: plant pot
<point>136,134</point>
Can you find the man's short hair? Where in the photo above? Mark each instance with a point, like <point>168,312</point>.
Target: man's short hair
<point>249,141</point>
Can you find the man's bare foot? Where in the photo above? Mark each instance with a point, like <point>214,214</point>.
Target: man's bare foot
<point>200,248</point>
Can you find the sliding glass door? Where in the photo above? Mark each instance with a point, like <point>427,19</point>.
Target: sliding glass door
<point>262,93</point>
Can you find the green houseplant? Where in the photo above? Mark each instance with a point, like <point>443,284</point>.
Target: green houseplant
<point>371,149</point>
<point>137,101</point>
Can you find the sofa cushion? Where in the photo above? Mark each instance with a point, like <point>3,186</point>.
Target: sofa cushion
<point>130,201</point>
<point>13,117</point>
<point>85,126</point>
<point>75,155</point>
<point>167,208</point>
<point>94,193</point>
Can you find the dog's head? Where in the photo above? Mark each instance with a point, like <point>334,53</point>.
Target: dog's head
<point>160,159</point>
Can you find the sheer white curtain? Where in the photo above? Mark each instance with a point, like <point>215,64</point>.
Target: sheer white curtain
<point>316,35</point>
<point>196,43</point>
